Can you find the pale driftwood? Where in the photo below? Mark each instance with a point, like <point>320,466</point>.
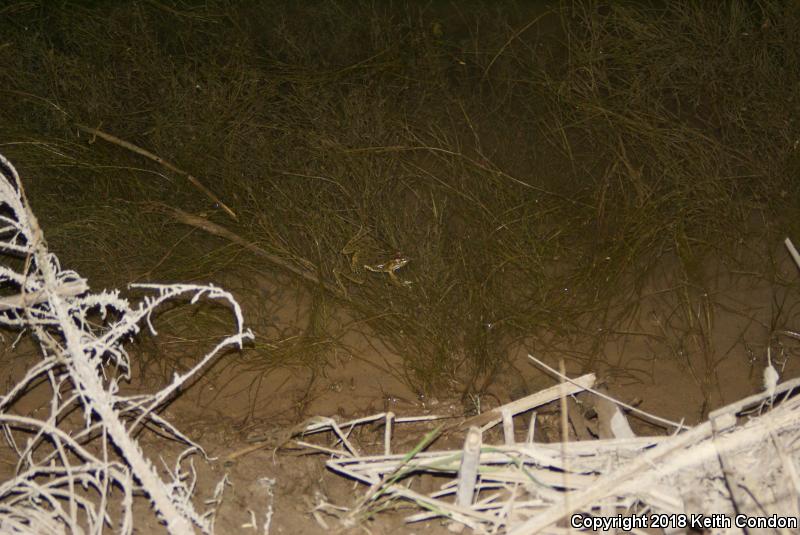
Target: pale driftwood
<point>468,471</point>
<point>495,416</point>
<point>606,484</point>
<point>387,433</point>
<point>531,428</point>
<point>667,458</point>
<point>519,486</point>
<point>508,426</point>
<point>323,449</point>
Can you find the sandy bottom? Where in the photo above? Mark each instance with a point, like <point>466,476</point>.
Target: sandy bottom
<point>238,405</point>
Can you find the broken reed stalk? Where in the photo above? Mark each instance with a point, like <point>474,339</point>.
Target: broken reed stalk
<point>220,231</point>
<point>564,437</point>
<point>159,160</point>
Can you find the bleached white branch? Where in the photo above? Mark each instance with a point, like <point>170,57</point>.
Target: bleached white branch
<point>70,460</point>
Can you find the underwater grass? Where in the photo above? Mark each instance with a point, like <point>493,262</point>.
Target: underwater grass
<point>535,166</point>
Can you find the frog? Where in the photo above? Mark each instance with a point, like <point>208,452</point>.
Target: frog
<point>356,271</point>
<point>390,267</point>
